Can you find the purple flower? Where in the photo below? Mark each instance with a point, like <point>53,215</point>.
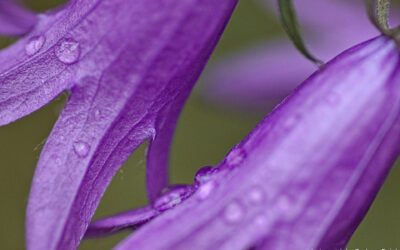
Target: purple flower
<point>262,76</point>
<point>305,176</point>
<point>129,67</point>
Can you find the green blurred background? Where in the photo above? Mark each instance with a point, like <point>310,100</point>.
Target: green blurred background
<point>204,135</point>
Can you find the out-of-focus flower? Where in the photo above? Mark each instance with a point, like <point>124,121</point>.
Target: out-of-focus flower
<point>262,76</point>
<point>14,20</point>
<point>129,67</point>
<point>306,175</point>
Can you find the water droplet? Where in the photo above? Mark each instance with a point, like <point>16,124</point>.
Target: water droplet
<point>68,51</point>
<point>81,148</point>
<point>234,212</point>
<point>261,221</point>
<point>256,195</point>
<point>333,99</point>
<point>235,157</point>
<point>204,174</point>
<point>58,161</point>
<point>97,114</point>
<point>173,197</point>
<point>34,45</point>
<point>205,190</point>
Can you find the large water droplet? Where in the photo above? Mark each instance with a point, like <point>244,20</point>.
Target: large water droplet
<point>234,212</point>
<point>205,174</point>
<point>81,148</point>
<point>205,190</point>
<point>235,157</point>
<point>173,197</point>
<point>34,45</point>
<point>256,195</point>
<point>68,51</point>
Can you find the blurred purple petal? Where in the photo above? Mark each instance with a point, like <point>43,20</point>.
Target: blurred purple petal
<point>14,20</point>
<point>264,75</point>
<point>306,175</point>
<point>132,65</point>
<point>257,77</point>
<point>116,223</point>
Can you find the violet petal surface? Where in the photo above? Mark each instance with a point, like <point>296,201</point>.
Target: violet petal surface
<point>110,225</point>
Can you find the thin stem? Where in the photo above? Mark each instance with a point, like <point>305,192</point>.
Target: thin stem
<point>378,12</point>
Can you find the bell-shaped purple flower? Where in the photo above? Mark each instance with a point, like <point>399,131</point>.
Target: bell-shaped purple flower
<point>306,175</point>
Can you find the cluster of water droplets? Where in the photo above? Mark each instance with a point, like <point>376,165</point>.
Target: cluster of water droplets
<point>235,211</point>
<point>67,51</point>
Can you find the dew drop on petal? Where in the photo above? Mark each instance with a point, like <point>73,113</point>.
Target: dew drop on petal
<point>56,159</point>
<point>68,51</point>
<point>256,195</point>
<point>234,212</point>
<point>172,197</point>
<point>205,190</point>
<point>97,114</point>
<point>81,149</point>
<point>205,174</point>
<point>34,45</point>
<point>235,157</point>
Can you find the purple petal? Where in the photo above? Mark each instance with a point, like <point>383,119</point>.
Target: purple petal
<point>14,20</point>
<point>133,64</point>
<point>159,148</point>
<point>258,77</point>
<point>306,175</point>
<point>116,223</point>
<point>173,196</point>
<point>264,75</point>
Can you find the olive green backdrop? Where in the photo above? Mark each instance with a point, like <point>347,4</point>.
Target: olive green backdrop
<point>204,135</point>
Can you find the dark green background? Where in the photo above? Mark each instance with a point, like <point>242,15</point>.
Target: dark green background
<point>204,134</point>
